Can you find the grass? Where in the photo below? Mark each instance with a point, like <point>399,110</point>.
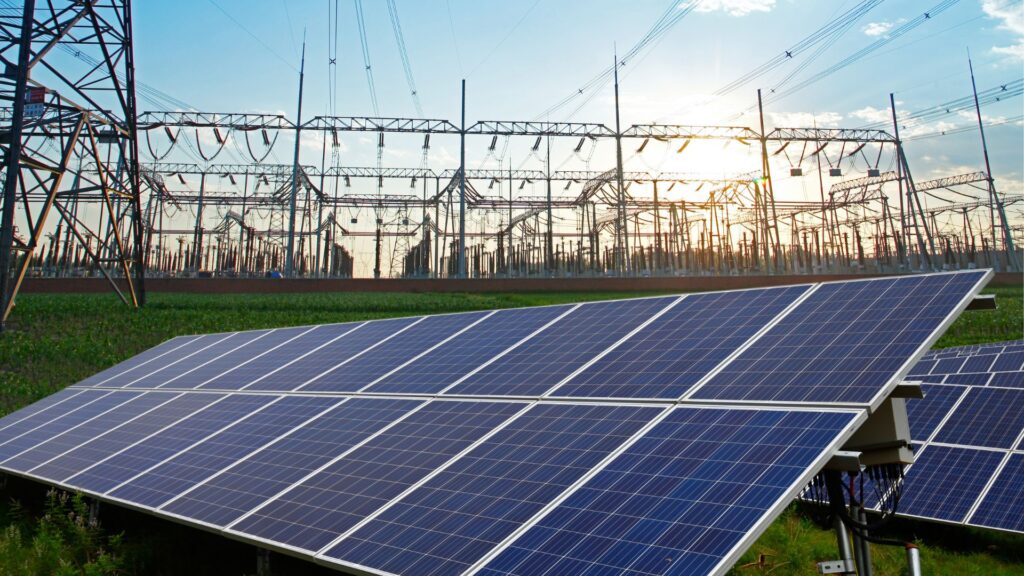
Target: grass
<point>56,340</point>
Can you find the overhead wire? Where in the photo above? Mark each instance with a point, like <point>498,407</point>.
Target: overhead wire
<point>997,93</point>
<point>361,25</point>
<point>669,18</point>
<point>253,35</point>
<point>396,26</point>
<point>507,35</point>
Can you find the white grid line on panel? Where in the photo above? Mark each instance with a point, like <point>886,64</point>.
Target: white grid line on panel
<point>314,350</point>
<point>992,479</point>
<point>613,346</point>
<point>219,356</point>
<point>141,364</point>
<point>506,351</point>
<point>185,357</point>
<point>173,396</point>
<point>427,351</point>
<point>423,481</point>
<point>198,442</point>
<point>55,418</point>
<point>248,360</point>
<point>77,392</point>
<point>357,355</point>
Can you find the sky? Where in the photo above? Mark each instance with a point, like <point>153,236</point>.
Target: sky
<point>519,58</point>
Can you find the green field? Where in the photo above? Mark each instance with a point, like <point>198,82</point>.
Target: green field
<point>56,340</point>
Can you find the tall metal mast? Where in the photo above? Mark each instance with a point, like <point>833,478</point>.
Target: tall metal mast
<point>289,266</point>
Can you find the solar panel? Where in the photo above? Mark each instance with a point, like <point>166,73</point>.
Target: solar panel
<point>156,356</point>
<point>843,340</point>
<point>925,416</point>
<point>449,443</point>
<point>682,345</point>
<point>682,498</point>
<point>469,350</point>
<point>240,488</point>
<point>946,481</point>
<point>453,519</point>
<point>362,370</point>
<point>991,417</point>
<point>541,362</point>
<point>314,512</point>
<point>337,350</point>
<point>1003,506</point>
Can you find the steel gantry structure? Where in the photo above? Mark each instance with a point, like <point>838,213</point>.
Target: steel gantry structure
<point>72,148</point>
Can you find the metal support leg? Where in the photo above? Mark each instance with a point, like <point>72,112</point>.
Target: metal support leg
<point>866,568</point>
<point>262,562</point>
<point>913,560</point>
<point>94,513</point>
<point>845,563</point>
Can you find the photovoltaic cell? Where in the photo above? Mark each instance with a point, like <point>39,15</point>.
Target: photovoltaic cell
<point>944,482</point>
<point>924,414</point>
<point>313,514</point>
<point>108,473</point>
<point>222,364</point>
<point>245,374</point>
<point>13,445</point>
<point>456,517</point>
<point>240,488</point>
<point>552,355</point>
<point>681,346</point>
<point>469,350</point>
<point>393,353</point>
<point>335,352</point>
<point>184,364</point>
<point>843,342</point>
<point>123,436</point>
<point>42,411</point>
<point>1008,379</point>
<point>223,449</point>
<point>153,358</point>
<point>680,498</point>
<point>991,417</point>
<point>61,443</point>
<point>1003,506</point>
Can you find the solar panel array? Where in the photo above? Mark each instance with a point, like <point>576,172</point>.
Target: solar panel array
<point>643,436</point>
<point>969,437</point>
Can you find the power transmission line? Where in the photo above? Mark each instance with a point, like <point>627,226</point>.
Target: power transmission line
<point>396,25</point>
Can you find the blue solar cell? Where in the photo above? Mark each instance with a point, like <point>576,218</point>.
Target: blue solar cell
<point>329,356</point>
<point>990,417</point>
<point>255,368</point>
<point>122,466</point>
<point>123,436</point>
<point>221,450</point>
<point>1007,379</point>
<point>157,356</point>
<point>222,364</point>
<point>313,514</point>
<point>393,353</point>
<point>681,346</point>
<point>844,342</point>
<point>924,414</point>
<point>949,365</point>
<point>218,346</point>
<point>680,498</point>
<point>224,498</point>
<point>923,368</point>
<point>1009,362</point>
<point>549,357</point>
<point>1003,506</point>
<point>945,482</point>
<point>979,363</point>
<point>453,519</point>
<point>100,403</point>
<point>61,443</point>
<point>467,351</point>
<point>966,379</point>
<point>42,411</point>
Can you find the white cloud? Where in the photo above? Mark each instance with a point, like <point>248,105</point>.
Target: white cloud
<point>736,7</point>
<point>871,114</point>
<point>1011,14</point>
<point>806,119</point>
<point>877,28</point>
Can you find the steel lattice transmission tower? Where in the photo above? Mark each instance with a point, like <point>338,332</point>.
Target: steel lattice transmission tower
<point>68,135</point>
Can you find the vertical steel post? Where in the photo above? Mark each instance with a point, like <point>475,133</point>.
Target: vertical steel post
<point>549,251</point>
<point>994,203</point>
<point>289,257</point>
<point>13,160</point>
<point>462,186</point>
<point>622,235</point>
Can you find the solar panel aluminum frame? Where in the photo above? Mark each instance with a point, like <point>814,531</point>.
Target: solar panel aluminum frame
<point>884,392</point>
